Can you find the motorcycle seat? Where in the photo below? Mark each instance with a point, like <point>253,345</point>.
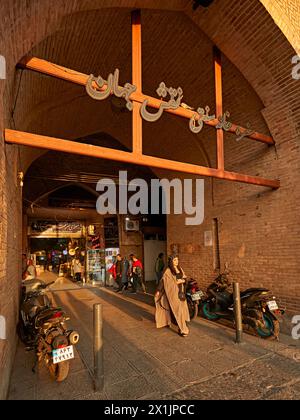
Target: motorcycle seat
<point>253,290</point>
<point>46,314</point>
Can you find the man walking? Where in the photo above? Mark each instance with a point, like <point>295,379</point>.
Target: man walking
<point>77,269</point>
<point>125,269</point>
<point>137,274</point>
<point>119,269</point>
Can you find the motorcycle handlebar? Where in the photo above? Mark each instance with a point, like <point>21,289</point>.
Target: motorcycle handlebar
<point>45,286</point>
<point>49,284</point>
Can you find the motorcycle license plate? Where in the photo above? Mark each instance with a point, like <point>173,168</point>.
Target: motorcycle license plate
<point>272,305</point>
<point>197,296</point>
<point>61,355</point>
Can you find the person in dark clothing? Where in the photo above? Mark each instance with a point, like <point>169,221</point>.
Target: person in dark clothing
<point>159,267</point>
<point>119,268</point>
<point>125,269</point>
<point>137,274</point>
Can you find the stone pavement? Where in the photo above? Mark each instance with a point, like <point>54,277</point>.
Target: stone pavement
<point>141,362</point>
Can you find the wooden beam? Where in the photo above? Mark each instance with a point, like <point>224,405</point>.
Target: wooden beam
<point>50,69</point>
<point>137,123</point>
<point>67,146</point>
<point>219,106</point>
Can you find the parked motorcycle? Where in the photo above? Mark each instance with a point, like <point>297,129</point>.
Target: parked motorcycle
<point>193,297</point>
<point>259,310</point>
<point>42,328</point>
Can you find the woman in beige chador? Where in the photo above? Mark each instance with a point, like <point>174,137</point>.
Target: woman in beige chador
<point>170,298</point>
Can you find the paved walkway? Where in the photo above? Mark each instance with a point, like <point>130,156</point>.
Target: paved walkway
<point>141,362</point>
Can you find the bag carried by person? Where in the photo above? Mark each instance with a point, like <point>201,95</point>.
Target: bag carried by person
<point>138,271</point>
<point>181,293</point>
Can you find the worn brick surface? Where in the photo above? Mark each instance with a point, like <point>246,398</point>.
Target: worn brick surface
<point>141,362</point>
<point>259,230</point>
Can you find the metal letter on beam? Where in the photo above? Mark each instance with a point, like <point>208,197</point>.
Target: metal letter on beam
<point>60,72</point>
<point>112,87</point>
<point>197,120</point>
<point>173,103</point>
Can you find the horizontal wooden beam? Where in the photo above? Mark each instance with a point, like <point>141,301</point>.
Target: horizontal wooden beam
<point>67,146</point>
<point>54,70</point>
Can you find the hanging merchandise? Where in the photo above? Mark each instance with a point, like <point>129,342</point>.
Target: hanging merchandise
<point>96,266</point>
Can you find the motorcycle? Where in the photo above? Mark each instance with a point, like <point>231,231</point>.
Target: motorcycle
<point>259,310</point>
<point>193,297</point>
<point>42,328</point>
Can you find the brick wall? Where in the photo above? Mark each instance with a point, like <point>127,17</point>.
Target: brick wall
<point>130,242</point>
<point>10,254</point>
<point>258,229</point>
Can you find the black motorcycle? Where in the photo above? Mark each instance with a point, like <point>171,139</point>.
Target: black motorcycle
<point>42,328</point>
<point>193,297</point>
<point>259,310</point>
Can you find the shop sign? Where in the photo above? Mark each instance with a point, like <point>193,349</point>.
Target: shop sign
<point>49,229</point>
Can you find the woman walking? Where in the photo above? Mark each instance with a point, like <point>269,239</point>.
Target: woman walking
<point>170,298</point>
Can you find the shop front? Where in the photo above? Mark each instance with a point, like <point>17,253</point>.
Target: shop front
<point>72,249</point>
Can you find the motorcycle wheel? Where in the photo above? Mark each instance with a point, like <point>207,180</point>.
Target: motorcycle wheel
<point>271,328</point>
<point>59,371</point>
<point>193,308</point>
<point>206,311</point>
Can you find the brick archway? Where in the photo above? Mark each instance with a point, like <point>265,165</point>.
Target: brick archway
<point>264,243</point>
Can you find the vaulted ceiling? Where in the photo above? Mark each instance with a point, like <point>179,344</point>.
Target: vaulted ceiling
<point>175,51</point>
<point>95,37</point>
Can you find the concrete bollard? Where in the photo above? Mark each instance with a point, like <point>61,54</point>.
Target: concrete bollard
<point>237,312</point>
<point>98,348</point>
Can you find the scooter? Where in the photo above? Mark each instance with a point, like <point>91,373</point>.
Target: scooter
<point>259,310</point>
<point>42,328</point>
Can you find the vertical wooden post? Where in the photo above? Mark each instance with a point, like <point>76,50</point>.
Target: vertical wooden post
<point>137,124</point>
<point>219,107</point>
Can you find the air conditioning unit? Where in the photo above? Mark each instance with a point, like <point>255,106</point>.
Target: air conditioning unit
<point>132,225</point>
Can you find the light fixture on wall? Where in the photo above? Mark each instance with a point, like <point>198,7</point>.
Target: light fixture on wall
<point>21,178</point>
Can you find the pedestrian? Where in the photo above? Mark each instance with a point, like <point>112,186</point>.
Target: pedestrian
<point>125,269</point>
<point>112,274</point>
<point>159,267</point>
<point>137,274</point>
<point>77,268</point>
<point>49,260</point>
<point>119,267</point>
<point>129,274</point>
<point>170,300</point>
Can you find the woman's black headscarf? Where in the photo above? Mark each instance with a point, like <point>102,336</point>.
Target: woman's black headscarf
<point>171,264</point>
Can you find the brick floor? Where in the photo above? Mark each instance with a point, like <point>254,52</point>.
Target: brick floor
<point>141,362</point>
